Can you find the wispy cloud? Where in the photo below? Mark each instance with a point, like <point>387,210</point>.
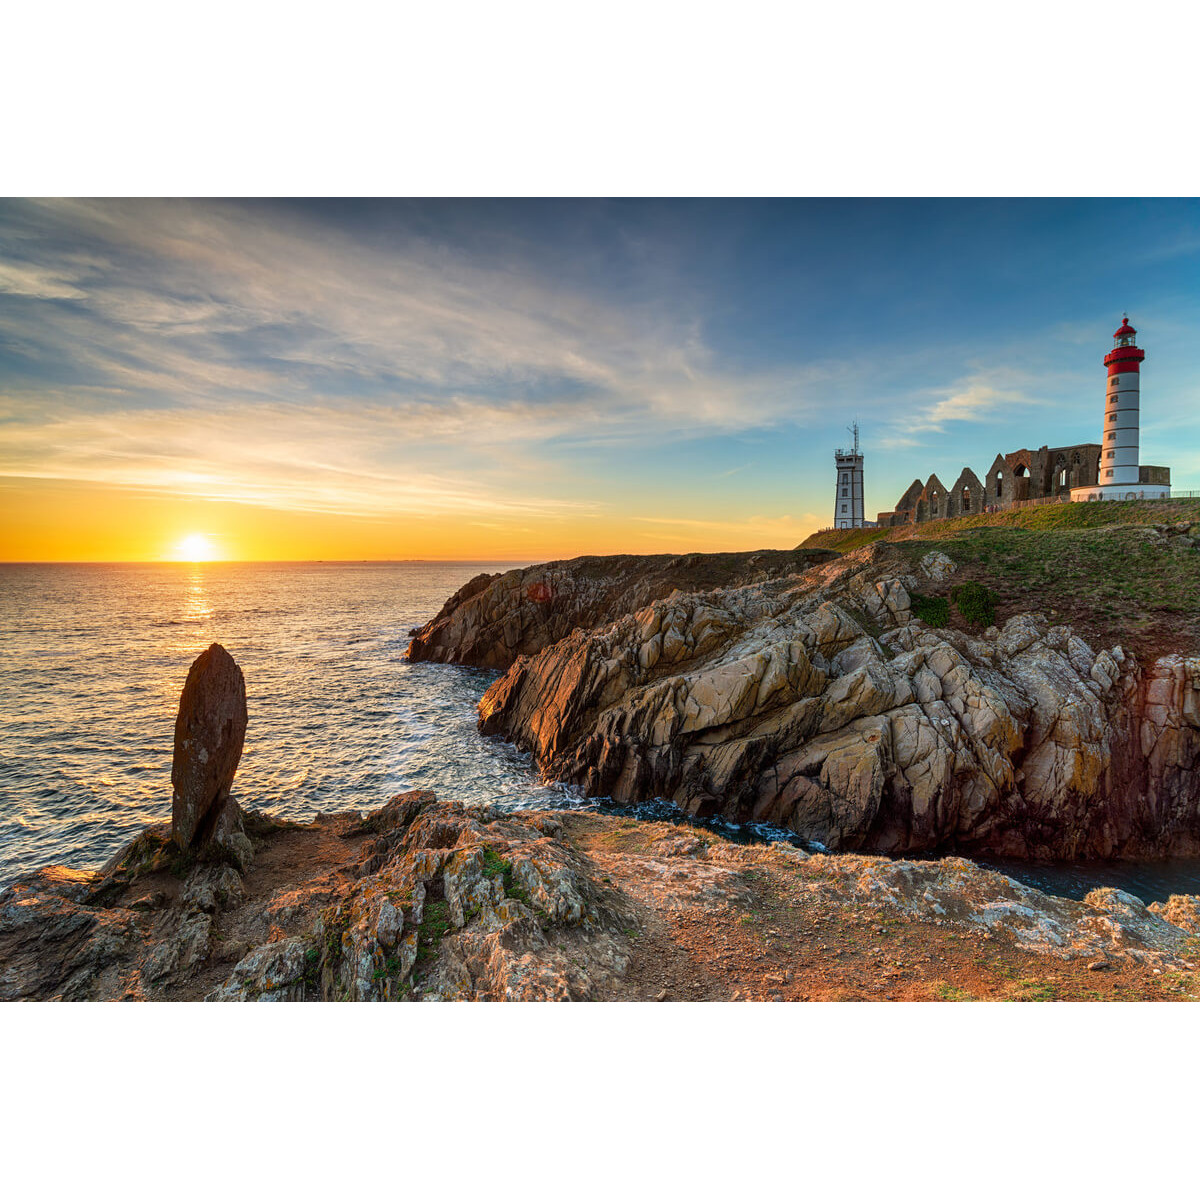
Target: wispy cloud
<point>231,350</point>
<point>984,395</point>
<point>735,470</point>
<point>277,456</point>
<point>18,280</point>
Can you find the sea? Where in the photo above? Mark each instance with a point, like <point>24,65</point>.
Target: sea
<point>93,658</point>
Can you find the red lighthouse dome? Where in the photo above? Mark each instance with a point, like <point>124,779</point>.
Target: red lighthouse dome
<point>1125,355</point>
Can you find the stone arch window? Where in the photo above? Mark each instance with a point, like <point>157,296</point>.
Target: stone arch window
<point>1062,478</point>
<point>1019,470</point>
<point>966,499</point>
<point>999,485</point>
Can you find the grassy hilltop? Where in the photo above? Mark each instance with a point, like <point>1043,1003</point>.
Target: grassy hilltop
<point>1126,572</point>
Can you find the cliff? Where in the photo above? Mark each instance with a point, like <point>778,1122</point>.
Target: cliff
<point>817,700</point>
<point>428,901</point>
<point>493,619</point>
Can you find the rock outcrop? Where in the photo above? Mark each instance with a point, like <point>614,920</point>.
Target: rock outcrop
<point>817,701</point>
<point>424,901</point>
<point>493,619</point>
<point>429,901</point>
<point>210,731</point>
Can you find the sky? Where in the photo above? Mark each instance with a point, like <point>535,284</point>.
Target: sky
<point>526,380</point>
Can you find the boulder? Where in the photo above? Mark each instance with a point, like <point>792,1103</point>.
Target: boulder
<point>938,566</point>
<point>209,733</point>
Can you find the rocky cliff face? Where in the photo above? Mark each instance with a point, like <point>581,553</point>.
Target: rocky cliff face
<point>818,702</point>
<point>493,619</point>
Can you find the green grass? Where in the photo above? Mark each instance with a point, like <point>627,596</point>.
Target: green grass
<point>390,967</point>
<point>1038,518</point>
<point>312,971</point>
<point>975,602</point>
<point>933,610</point>
<point>1104,568</point>
<point>947,991</point>
<point>1095,566</point>
<point>1036,990</point>
<point>496,867</point>
<point>844,540</point>
<point>435,924</point>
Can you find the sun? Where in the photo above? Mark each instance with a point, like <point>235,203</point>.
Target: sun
<point>194,548</point>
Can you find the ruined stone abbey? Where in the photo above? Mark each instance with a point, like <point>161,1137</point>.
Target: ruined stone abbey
<point>1051,471</point>
<point>1089,471</point>
<point>1020,475</point>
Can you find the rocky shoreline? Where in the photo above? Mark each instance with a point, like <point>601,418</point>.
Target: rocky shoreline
<point>422,900</point>
<point>816,700</point>
<point>785,689</point>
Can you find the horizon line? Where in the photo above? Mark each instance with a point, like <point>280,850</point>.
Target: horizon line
<point>227,562</point>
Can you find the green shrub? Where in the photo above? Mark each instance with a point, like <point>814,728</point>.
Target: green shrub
<point>933,610</point>
<point>976,603</point>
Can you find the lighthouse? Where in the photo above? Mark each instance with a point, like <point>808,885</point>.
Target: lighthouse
<point>1120,475</point>
<point>848,497</point>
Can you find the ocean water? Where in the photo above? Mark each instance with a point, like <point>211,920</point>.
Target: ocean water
<point>93,658</point>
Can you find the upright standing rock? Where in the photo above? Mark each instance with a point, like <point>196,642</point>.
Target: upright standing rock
<point>209,732</point>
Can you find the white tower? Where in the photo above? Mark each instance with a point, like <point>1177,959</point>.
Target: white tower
<point>1119,473</point>
<point>1119,458</point>
<point>848,496</point>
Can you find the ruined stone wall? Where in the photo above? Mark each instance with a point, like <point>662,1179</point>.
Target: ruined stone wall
<point>1014,477</point>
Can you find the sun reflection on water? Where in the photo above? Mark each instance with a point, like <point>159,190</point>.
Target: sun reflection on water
<point>197,602</point>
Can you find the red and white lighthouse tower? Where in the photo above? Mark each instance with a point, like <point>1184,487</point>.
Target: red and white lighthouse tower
<point>1120,475</point>
<point>1119,458</point>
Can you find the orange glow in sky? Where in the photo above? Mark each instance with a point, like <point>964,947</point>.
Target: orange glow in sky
<point>44,520</point>
<point>499,381</point>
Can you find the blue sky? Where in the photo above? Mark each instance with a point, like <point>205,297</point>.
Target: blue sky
<point>669,374</point>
